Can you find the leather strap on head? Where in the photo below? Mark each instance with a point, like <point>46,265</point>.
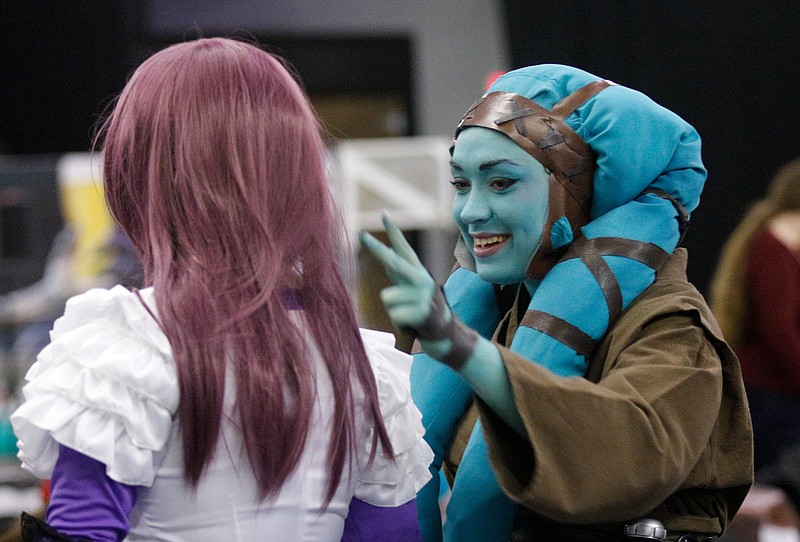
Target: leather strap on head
<point>544,135</point>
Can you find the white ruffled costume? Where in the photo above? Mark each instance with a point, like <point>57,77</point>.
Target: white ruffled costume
<point>107,387</point>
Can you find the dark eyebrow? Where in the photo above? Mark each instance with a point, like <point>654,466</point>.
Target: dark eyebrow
<point>492,163</point>
<point>485,165</point>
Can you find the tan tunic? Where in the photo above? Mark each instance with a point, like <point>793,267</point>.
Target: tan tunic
<point>658,428</point>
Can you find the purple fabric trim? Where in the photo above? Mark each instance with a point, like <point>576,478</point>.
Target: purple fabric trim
<point>293,299</point>
<point>369,523</point>
<point>85,502</point>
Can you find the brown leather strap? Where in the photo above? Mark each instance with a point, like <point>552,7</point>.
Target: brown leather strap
<point>436,327</point>
<point>518,113</point>
<point>602,273</point>
<point>569,104</point>
<point>683,214</point>
<point>591,252</point>
<point>560,330</point>
<point>651,255</point>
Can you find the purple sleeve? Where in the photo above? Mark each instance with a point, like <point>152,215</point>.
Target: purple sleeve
<point>369,523</point>
<point>85,502</point>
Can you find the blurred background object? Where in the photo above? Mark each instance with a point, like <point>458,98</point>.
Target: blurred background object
<point>86,250</point>
<point>755,295</point>
<point>396,69</point>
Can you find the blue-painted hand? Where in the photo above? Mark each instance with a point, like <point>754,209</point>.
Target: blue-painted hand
<point>416,303</point>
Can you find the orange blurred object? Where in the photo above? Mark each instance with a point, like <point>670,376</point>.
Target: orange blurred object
<point>45,487</point>
<point>492,77</point>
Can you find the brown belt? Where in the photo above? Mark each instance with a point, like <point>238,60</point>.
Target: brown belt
<point>529,531</point>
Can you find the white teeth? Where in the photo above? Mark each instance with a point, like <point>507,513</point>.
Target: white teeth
<point>484,241</point>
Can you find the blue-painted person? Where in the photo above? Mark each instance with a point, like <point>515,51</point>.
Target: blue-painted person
<point>572,381</point>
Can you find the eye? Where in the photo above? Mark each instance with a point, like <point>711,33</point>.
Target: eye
<point>499,184</point>
<point>461,185</point>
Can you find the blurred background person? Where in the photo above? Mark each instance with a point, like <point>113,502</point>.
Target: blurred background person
<point>755,295</point>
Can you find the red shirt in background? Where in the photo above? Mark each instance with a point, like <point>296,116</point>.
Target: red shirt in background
<point>770,352</point>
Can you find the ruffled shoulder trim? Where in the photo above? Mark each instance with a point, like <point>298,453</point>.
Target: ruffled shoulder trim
<point>386,482</point>
<point>106,386</point>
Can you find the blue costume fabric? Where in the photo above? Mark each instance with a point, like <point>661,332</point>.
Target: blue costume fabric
<point>649,175</point>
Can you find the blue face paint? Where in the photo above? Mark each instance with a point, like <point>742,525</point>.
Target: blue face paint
<point>500,203</point>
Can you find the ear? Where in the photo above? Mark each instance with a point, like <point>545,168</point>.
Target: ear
<point>561,233</point>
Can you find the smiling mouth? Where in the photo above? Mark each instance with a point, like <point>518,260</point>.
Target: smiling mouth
<point>489,245</point>
<point>488,242</point>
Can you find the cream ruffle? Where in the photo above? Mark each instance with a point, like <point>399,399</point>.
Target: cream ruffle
<point>386,482</point>
<point>105,386</point>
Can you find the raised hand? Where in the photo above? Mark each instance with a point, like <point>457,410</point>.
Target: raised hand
<point>416,303</point>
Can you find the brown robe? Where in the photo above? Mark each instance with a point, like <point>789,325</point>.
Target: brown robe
<point>659,427</point>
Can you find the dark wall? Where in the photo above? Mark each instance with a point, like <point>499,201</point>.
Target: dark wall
<point>60,62</point>
<point>730,68</point>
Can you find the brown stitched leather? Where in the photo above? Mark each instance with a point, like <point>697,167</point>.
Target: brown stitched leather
<point>560,330</point>
<point>565,107</point>
<point>534,128</point>
<point>603,274</point>
<point>651,255</point>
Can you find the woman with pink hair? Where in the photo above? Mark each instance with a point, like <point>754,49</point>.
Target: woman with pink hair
<point>234,397</point>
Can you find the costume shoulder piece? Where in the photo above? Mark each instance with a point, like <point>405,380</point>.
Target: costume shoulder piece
<point>388,482</point>
<point>105,386</point>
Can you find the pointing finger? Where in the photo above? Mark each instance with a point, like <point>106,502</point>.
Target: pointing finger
<point>398,269</point>
<point>398,241</point>
<point>381,252</point>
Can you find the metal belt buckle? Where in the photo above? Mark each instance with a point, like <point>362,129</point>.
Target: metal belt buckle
<point>645,529</point>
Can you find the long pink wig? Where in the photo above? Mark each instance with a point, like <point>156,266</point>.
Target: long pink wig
<point>214,165</point>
